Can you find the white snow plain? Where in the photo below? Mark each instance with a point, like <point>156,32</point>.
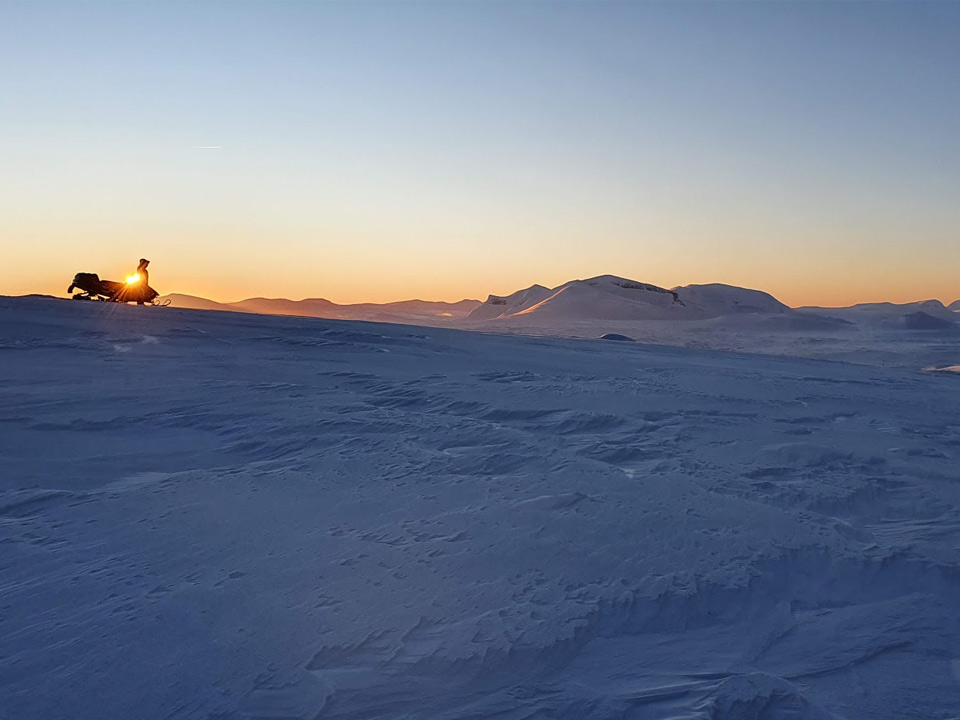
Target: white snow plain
<point>210,515</point>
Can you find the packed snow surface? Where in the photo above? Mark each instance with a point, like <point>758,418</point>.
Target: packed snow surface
<point>218,515</point>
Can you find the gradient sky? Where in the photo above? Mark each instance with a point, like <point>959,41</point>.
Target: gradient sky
<point>378,152</point>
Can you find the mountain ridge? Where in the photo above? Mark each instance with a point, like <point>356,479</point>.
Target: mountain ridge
<point>608,298</point>
<point>404,310</point>
<point>881,309</point>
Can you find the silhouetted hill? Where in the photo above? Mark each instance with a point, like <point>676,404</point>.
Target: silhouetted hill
<point>408,311</point>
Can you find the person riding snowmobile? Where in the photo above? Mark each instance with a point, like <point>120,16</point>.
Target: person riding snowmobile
<point>142,272</point>
<point>138,287</point>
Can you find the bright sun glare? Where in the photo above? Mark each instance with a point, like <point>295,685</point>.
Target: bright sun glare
<point>133,278</point>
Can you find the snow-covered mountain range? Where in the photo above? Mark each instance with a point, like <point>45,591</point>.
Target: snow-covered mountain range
<point>407,311</point>
<point>609,297</point>
<point>606,297</point>
<point>603,298</point>
<point>886,310</point>
<point>918,334</point>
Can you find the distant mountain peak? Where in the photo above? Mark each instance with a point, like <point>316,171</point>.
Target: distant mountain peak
<point>627,284</point>
<point>925,321</point>
<point>715,299</point>
<point>611,297</point>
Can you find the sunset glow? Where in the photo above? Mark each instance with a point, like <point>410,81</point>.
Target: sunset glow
<point>442,151</point>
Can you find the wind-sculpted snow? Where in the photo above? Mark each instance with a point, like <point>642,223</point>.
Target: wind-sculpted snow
<point>226,516</point>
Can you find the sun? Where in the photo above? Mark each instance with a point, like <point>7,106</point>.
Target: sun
<point>131,279</point>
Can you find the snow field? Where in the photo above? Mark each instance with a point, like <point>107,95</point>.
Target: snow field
<point>214,515</point>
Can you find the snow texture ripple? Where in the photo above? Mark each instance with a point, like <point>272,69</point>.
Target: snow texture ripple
<point>229,516</point>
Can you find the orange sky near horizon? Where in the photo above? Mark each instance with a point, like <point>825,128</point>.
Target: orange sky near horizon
<point>318,275</point>
<point>378,151</point>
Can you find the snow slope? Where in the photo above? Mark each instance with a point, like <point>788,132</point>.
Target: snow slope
<point>609,297</point>
<point>798,334</point>
<point>497,306</point>
<point>925,321</point>
<point>220,515</point>
<point>955,306</point>
<point>603,297</point>
<point>716,299</point>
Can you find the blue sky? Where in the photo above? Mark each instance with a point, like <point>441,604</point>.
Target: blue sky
<point>378,151</point>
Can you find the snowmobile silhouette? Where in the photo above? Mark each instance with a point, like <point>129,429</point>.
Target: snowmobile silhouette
<point>135,289</point>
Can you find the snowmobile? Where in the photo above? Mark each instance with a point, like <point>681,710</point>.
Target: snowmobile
<point>91,287</point>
